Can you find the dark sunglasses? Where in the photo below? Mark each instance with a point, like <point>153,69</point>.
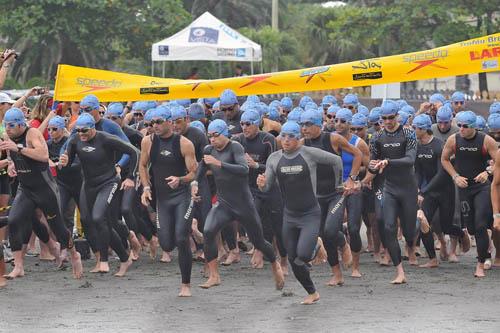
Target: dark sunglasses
<point>330,116</point>
<point>416,128</point>
<point>102,113</point>
<point>52,129</point>
<point>342,121</point>
<point>113,117</point>
<point>10,125</point>
<point>230,108</point>
<point>288,136</point>
<point>82,130</point>
<point>87,109</point>
<point>459,103</point>
<point>138,114</point>
<point>147,124</point>
<point>350,107</point>
<point>245,123</point>
<point>462,125</point>
<point>213,135</point>
<point>357,129</point>
<point>306,124</point>
<point>391,117</point>
<point>157,121</point>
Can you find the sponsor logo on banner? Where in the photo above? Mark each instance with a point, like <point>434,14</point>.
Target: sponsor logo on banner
<point>203,35</point>
<point>425,59</point>
<point>223,52</point>
<point>320,72</point>
<point>489,64</point>
<point>163,50</point>
<point>493,52</point>
<point>154,90</point>
<point>96,84</point>
<point>366,67</point>
<point>367,76</point>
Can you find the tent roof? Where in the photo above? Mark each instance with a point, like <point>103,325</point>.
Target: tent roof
<point>207,38</point>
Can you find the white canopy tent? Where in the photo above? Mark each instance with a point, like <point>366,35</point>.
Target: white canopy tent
<point>207,38</point>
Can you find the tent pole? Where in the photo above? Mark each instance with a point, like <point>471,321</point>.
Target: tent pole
<point>261,67</point>
<point>251,67</point>
<point>163,70</point>
<point>220,70</point>
<point>152,68</point>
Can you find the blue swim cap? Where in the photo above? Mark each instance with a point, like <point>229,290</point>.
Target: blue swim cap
<point>304,100</point>
<point>216,106</point>
<point>90,101</point>
<point>422,121</point>
<point>151,105</point>
<point>374,115</point>
<point>294,115</point>
<point>311,116</point>
<point>14,115</point>
<point>262,108</point>
<point>401,103</point>
<point>286,103</point>
<point>435,98</point>
<point>466,117</point>
<point>403,117</point>
<point>178,112</point>
<point>275,103</point>
<point>196,111</point>
<point>115,109</point>
<point>291,128</point>
<point>273,114</point>
<point>408,109</point>
<point>480,123</point>
<point>252,116</point>
<point>57,122</point>
<point>363,110</point>
<point>359,120</point>
<point>140,106</point>
<point>85,120</point>
<point>148,116</point>
<point>389,107</point>
<point>209,101</point>
<point>495,108</point>
<point>458,96</point>
<point>333,109</point>
<point>228,97</point>
<point>444,114</point>
<point>163,112</point>
<point>183,102</point>
<point>199,125</point>
<point>328,100</point>
<point>351,99</point>
<point>344,114</point>
<point>253,99</point>
<point>310,106</point>
<point>494,122</point>
<point>218,126</point>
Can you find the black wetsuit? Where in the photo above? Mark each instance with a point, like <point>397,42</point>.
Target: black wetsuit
<point>400,187</point>
<point>470,160</point>
<point>100,183</point>
<point>296,173</point>
<point>269,205</point>
<point>171,204</point>
<point>235,200</point>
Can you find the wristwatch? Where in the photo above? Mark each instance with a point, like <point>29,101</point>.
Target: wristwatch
<point>353,177</point>
<point>19,147</point>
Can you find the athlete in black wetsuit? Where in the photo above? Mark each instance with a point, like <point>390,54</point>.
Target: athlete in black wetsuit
<point>393,151</point>
<point>331,201</point>
<point>226,160</point>
<point>37,189</point>
<point>472,150</point>
<point>258,146</point>
<point>96,151</point>
<point>295,167</point>
<point>173,166</point>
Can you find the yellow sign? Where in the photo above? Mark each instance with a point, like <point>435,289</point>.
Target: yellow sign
<point>468,57</point>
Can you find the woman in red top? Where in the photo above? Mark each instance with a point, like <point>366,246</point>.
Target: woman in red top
<point>39,115</point>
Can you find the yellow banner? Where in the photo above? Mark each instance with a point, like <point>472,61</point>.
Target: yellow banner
<point>467,57</point>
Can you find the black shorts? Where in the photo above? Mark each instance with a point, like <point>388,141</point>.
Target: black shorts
<point>4,184</point>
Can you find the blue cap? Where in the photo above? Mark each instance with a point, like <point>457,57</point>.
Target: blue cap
<point>344,114</point>
<point>57,122</point>
<point>294,115</point>
<point>310,105</point>
<point>304,100</point>
<point>199,125</point>
<point>466,117</point>
<point>359,120</point>
<point>389,107</point>
<point>183,102</point>
<point>253,99</point>
<point>151,105</point>
<point>286,103</point>
<point>252,116</point>
<point>311,116</point>
<point>228,97</point>
<point>273,114</point>
<point>422,121</point>
<point>178,112</point>
<point>219,126</point>
<point>495,108</point>
<point>458,96</point>
<point>275,103</point>
<point>90,100</point>
<point>85,120</point>
<point>403,117</point>
<point>408,109</point>
<point>444,114</point>
<point>216,106</point>
<point>350,99</point>
<point>115,109</point>
<point>140,106</point>
<point>401,103</point>
<point>435,98</point>
<point>196,111</point>
<point>363,110</point>
<point>333,109</point>
<point>374,115</point>
<point>328,100</point>
<point>15,115</point>
<point>163,112</point>
<point>494,122</point>
<point>148,116</point>
<point>291,127</point>
<point>262,108</point>
<point>210,101</point>
<point>480,123</point>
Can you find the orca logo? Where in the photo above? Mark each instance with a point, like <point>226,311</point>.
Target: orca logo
<point>468,148</point>
<point>88,149</point>
<point>165,153</point>
<point>292,169</point>
<point>396,144</point>
<point>424,156</point>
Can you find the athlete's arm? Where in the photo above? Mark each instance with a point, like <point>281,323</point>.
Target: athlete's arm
<point>144,162</point>
<point>36,147</point>
<point>495,191</point>
<point>323,157</point>
<point>113,129</point>
<point>436,180</point>
<point>241,166</point>
<point>340,143</point>
<point>490,146</point>
<point>448,151</point>
<point>365,151</point>
<point>187,150</point>
<point>118,145</point>
<point>266,180</point>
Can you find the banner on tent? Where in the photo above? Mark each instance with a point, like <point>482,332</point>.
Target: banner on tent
<point>467,57</point>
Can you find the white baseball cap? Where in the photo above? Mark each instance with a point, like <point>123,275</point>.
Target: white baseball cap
<point>4,98</point>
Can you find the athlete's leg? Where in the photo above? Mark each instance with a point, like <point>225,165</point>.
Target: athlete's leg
<point>354,207</point>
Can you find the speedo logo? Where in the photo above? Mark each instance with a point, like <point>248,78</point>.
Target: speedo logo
<point>424,59</point>
<point>96,84</point>
<point>291,169</point>
<point>424,156</point>
<point>88,149</point>
<point>468,148</point>
<point>392,145</point>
